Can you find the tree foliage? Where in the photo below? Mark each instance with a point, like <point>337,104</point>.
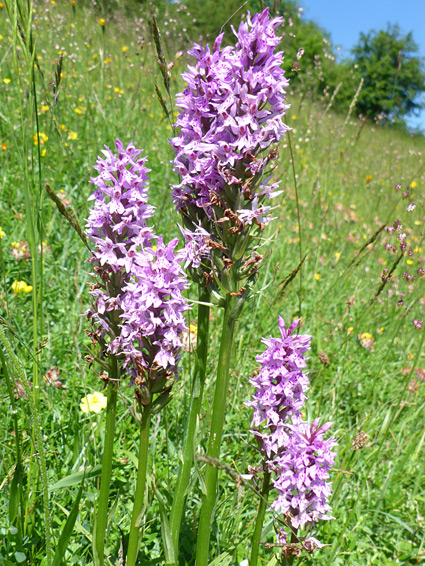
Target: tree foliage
<point>387,62</point>
<point>392,71</point>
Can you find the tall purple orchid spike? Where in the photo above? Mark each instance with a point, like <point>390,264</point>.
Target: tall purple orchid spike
<point>295,452</point>
<point>230,114</point>
<point>138,303</point>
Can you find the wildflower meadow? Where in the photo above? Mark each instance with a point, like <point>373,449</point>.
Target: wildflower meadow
<point>211,301</point>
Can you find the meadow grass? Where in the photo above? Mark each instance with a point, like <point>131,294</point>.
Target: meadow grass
<point>369,379</point>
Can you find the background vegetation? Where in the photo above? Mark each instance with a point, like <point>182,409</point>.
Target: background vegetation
<point>86,75</point>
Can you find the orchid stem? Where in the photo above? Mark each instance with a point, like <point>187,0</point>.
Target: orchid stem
<point>216,432</point>
<point>105,478</point>
<point>256,537</point>
<point>197,390</point>
<point>139,496</point>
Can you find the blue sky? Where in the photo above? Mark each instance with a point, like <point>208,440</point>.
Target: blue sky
<point>345,19</point>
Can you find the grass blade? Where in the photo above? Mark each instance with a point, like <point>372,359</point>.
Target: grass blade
<point>68,528</point>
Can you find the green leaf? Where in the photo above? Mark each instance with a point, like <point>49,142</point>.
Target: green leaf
<point>67,529</point>
<point>78,525</point>
<point>77,478</point>
<point>167,539</point>
<point>20,557</point>
<point>223,560</point>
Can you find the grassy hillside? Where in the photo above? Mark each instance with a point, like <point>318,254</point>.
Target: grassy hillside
<point>338,177</point>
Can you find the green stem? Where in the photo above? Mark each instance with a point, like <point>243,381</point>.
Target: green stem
<point>139,496</point>
<point>105,478</point>
<point>260,520</point>
<point>197,390</point>
<point>19,469</point>
<point>216,433</point>
<point>289,560</point>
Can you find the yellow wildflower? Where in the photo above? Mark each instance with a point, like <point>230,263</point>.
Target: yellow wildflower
<point>93,403</point>
<point>2,234</point>
<point>366,336</point>
<point>102,22</point>
<point>124,48</point>
<point>21,287</point>
<point>6,81</point>
<point>367,341</point>
<point>42,138</point>
<point>317,276</point>
<point>413,184</point>
<point>4,146</point>
<point>368,178</point>
<point>78,110</point>
<point>44,108</point>
<point>72,135</point>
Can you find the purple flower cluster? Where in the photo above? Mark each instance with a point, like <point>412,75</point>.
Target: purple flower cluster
<point>280,387</point>
<point>117,221</point>
<point>302,469</point>
<point>296,452</point>
<point>138,304</point>
<point>153,311</point>
<point>230,112</point>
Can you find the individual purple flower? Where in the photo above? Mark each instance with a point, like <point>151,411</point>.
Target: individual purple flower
<point>230,112</point>
<point>197,247</point>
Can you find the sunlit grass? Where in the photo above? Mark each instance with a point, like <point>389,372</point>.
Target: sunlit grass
<point>369,380</point>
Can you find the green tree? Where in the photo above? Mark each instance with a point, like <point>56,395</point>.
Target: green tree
<point>393,74</point>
